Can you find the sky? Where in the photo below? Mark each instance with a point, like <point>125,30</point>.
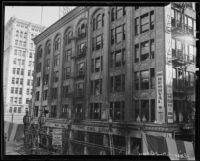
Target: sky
<point>33,14</point>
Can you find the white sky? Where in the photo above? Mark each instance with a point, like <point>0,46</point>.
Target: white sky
<point>33,14</point>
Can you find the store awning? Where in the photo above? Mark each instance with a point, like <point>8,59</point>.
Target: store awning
<point>175,149</point>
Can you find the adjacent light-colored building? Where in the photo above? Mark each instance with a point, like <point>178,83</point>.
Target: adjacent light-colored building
<point>18,68</point>
<point>118,69</point>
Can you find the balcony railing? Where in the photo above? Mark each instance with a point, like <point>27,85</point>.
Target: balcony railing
<point>181,28</point>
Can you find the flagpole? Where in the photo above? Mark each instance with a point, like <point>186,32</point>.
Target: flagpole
<point>41,15</point>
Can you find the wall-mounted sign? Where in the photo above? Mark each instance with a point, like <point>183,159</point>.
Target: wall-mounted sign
<point>56,125</point>
<point>90,128</point>
<point>168,67</point>
<point>160,97</point>
<point>57,137</point>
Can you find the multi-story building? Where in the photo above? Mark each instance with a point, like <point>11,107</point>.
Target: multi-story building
<point>19,50</point>
<point>107,74</point>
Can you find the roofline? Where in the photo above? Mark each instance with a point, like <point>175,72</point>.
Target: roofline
<point>59,23</point>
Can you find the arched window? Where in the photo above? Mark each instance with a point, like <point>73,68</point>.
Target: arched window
<point>83,29</point>
<point>102,19</point>
<point>70,34</point>
<point>48,48</point>
<point>113,14</point>
<point>39,52</point>
<point>93,24</point>
<point>99,21</point>
<point>57,43</point>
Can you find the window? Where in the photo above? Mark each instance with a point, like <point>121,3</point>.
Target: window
<point>67,55</point>
<point>15,52</point>
<point>65,91</point>
<point>117,110</point>
<point>145,110</point>
<point>82,49</point>
<point>10,110</point>
<point>95,111</point>
<point>45,93</point>
<point>20,100</point>
<point>12,90</point>
<point>39,53</point>
<point>96,87</point>
<point>152,48</point>
<point>118,34</point>
<point>17,33</point>
<point>99,21</point>
<point>66,73</point>
<point>23,62</point>
<point>46,79</point>
<point>53,111</point>
<point>15,109</point>
<point>54,93</point>
<point>25,35</point>
<point>65,111</point>
<point>15,61</point>
<point>27,91</point>
<point>29,72</point>
<point>14,69</point>
<point>36,111</point>
<point>137,26</point>
<point>144,50</point>
<point>19,109</point>
<point>79,112</point>
<point>37,96</point>
<point>81,68</point>
<point>99,42</point>
<point>13,80</point>
<point>17,80</point>
<point>118,58</point>
<point>137,53</point>
<point>57,43</point>
<point>21,34</point>
<point>15,100</point>
<point>28,82</point>
<point>21,81</point>
<point>137,79</point>
<point>117,13</point>
<point>27,101</point>
<point>79,89</point>
<point>20,90</point>
<point>22,71</point>
<point>152,78</point>
<point>144,20</point>
<point>98,64</point>
<point>55,76</point>
<point>24,44</point>
<point>48,48</point>
<point>152,19</point>
<point>20,43</point>
<point>18,70</point>
<point>11,99</point>
<point>16,90</point>
<point>56,61</point>
<point>38,67</point>
<point>117,83</point>
<point>144,75</point>
<point>16,42</point>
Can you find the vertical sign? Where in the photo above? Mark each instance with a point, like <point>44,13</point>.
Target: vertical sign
<point>168,66</point>
<point>160,97</point>
<point>57,137</point>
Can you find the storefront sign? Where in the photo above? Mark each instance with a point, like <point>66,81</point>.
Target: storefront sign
<point>56,125</point>
<point>90,128</point>
<point>57,137</point>
<point>168,67</point>
<point>160,98</point>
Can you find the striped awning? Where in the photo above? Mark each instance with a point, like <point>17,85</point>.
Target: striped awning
<point>175,149</point>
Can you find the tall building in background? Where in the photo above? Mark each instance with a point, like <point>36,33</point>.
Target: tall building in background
<point>107,74</point>
<point>18,68</point>
<point>64,10</point>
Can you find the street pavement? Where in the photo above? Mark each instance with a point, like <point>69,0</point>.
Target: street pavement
<point>15,148</point>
